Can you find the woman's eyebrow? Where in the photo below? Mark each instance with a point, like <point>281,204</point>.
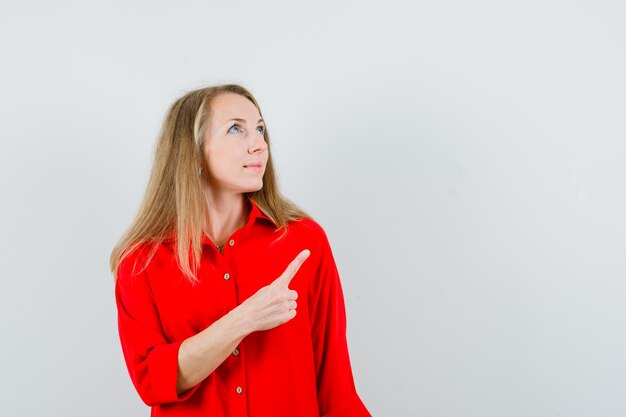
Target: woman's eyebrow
<point>243,121</point>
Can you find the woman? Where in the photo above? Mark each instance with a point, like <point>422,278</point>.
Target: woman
<point>208,274</point>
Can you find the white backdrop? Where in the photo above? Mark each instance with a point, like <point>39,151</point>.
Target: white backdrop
<point>467,160</point>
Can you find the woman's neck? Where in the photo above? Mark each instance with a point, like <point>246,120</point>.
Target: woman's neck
<point>226,216</point>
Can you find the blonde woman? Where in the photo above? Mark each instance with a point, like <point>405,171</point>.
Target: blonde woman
<point>228,296</point>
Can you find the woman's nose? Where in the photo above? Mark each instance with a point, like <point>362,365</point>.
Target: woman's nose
<point>258,143</point>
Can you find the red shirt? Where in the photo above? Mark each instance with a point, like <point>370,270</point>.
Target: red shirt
<point>298,369</point>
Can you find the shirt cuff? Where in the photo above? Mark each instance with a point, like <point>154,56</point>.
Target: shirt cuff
<point>165,375</point>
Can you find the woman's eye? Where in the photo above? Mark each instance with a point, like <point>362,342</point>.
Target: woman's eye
<point>238,129</point>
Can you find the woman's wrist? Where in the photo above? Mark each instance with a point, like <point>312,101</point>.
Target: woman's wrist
<point>237,322</point>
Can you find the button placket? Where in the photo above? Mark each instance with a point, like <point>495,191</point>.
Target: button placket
<point>239,389</point>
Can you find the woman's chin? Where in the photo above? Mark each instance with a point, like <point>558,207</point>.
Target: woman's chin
<point>254,188</point>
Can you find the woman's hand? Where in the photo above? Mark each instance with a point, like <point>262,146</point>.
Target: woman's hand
<point>273,304</point>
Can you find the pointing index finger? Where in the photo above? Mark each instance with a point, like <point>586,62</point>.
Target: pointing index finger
<point>293,267</point>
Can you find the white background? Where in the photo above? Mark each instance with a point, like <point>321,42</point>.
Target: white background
<point>467,160</point>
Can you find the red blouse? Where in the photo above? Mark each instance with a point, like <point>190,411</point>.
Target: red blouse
<point>298,369</point>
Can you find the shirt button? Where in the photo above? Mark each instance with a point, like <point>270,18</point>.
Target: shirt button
<point>227,276</point>
<point>231,243</point>
<point>239,390</point>
<point>236,352</point>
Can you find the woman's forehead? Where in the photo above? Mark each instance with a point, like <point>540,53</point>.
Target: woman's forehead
<point>228,106</point>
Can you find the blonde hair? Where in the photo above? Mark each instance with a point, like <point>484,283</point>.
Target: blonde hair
<point>174,204</point>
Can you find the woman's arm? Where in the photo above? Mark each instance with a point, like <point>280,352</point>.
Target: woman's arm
<point>201,354</point>
<point>161,369</point>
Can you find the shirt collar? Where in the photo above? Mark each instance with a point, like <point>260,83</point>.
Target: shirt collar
<point>255,213</point>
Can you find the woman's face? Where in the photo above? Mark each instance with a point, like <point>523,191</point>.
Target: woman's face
<point>231,146</point>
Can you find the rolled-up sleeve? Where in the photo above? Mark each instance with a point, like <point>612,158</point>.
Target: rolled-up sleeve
<point>337,396</point>
<point>151,359</point>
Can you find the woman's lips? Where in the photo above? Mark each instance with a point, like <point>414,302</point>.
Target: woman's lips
<point>257,168</point>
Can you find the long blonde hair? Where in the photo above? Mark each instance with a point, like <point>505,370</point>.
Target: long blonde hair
<point>174,203</point>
